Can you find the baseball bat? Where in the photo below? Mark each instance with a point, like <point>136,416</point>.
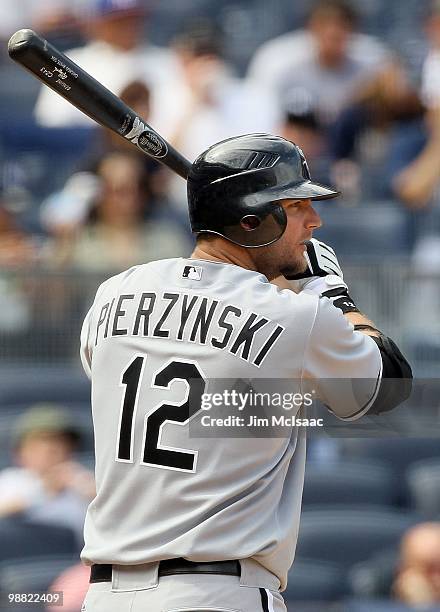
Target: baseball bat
<point>74,84</point>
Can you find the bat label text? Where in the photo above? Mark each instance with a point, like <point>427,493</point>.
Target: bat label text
<point>63,85</point>
<point>47,73</point>
<point>58,62</point>
<point>147,140</point>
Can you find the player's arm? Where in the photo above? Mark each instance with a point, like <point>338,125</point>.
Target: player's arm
<point>386,363</point>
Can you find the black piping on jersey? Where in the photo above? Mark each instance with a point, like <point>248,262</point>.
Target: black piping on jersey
<point>264,600</point>
<point>366,407</point>
<point>394,367</point>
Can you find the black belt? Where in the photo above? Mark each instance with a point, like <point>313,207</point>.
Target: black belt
<point>103,572</point>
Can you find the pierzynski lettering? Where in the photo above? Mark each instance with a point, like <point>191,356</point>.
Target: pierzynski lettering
<point>196,319</point>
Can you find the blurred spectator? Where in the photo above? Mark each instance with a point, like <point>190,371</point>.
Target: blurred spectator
<point>46,16</point>
<point>329,58</point>
<point>116,54</point>
<point>17,249</point>
<point>359,138</point>
<point>416,182</point>
<point>418,578</point>
<point>431,67</point>
<point>47,485</point>
<point>62,212</point>
<point>74,584</point>
<point>120,232</point>
<point>300,125</point>
<point>414,170</point>
<point>213,103</point>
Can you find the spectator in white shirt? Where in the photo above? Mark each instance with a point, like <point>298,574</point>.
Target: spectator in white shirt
<point>329,58</point>
<point>116,55</point>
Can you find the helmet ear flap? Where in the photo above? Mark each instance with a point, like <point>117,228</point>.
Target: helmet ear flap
<point>258,230</point>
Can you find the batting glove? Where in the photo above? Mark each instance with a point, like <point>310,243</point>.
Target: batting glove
<point>324,276</point>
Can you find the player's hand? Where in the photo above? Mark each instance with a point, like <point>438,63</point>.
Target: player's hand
<point>324,276</point>
<point>321,261</point>
<point>323,271</point>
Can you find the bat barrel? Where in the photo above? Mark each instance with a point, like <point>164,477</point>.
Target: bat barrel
<point>79,88</point>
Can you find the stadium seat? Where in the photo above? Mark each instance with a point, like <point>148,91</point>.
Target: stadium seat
<point>353,234</point>
<point>349,536</point>
<point>425,353</point>
<point>17,100</point>
<point>373,578</point>
<point>311,580</point>
<point>423,479</point>
<point>34,152</point>
<point>21,538</point>
<point>380,606</point>
<point>349,482</point>
<point>396,453</point>
<point>32,574</point>
<point>29,385</point>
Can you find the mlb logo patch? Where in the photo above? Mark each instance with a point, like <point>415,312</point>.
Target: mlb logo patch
<point>192,272</point>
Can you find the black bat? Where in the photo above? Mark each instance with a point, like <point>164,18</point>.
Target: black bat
<point>74,84</point>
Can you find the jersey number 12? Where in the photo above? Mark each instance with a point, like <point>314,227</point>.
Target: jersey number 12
<point>181,412</point>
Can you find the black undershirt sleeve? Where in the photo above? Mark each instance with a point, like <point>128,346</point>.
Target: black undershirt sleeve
<point>396,383</point>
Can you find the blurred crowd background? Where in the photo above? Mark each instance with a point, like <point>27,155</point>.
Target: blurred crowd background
<point>356,84</point>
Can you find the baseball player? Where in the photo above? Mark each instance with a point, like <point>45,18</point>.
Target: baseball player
<point>193,523</point>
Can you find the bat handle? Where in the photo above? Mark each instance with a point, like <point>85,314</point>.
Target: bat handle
<point>178,163</point>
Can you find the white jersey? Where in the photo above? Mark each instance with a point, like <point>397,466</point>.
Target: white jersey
<point>154,334</point>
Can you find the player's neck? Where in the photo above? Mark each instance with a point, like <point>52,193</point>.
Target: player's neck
<point>218,249</point>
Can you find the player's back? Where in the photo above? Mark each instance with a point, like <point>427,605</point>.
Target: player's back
<point>156,339</point>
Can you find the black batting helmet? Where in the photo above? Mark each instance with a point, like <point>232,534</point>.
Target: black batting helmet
<point>235,188</point>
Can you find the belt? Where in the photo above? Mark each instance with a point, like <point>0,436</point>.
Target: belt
<point>103,572</point>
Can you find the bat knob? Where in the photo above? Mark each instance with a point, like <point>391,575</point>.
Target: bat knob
<point>20,40</point>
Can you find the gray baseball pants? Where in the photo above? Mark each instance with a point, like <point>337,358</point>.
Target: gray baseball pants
<point>138,589</point>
